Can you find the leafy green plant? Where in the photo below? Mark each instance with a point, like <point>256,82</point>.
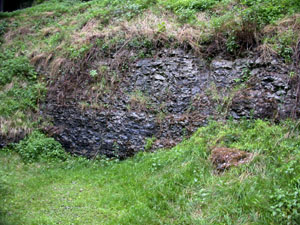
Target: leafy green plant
<point>292,74</point>
<point>284,45</point>
<point>161,27</point>
<point>186,10</point>
<point>75,52</point>
<point>93,73</point>
<point>149,143</point>
<point>286,206</point>
<point>186,15</point>
<point>246,73</point>
<point>267,11</point>
<point>39,147</point>
<point>199,5</point>
<point>231,44</point>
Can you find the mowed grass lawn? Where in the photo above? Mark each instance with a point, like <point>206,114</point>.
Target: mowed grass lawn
<point>176,186</point>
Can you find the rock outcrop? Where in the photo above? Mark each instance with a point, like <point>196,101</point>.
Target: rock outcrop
<point>168,97</point>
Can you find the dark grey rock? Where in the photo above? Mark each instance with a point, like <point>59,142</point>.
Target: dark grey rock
<point>176,99</point>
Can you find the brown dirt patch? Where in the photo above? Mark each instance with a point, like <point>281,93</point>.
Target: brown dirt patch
<point>224,158</point>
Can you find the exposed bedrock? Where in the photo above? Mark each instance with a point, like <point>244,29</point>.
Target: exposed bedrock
<point>168,97</point>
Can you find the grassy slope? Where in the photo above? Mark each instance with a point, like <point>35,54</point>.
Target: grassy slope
<point>176,186</point>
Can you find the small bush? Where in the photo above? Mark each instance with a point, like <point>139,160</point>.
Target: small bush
<point>38,146</point>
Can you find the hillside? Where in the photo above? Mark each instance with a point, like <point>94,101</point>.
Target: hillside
<point>150,111</point>
<point>176,186</point>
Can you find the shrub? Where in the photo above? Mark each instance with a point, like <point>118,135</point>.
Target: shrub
<point>38,146</point>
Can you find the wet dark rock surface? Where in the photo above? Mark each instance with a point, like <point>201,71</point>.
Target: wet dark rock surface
<point>6,139</point>
<point>3,141</point>
<point>168,97</point>
<point>173,80</point>
<point>114,134</point>
<point>268,93</point>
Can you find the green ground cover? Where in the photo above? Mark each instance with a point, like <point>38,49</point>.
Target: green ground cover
<point>176,186</point>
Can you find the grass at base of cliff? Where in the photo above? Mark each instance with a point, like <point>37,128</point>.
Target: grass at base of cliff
<point>176,186</point>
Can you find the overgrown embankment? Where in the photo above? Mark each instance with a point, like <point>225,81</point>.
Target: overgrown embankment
<point>89,57</point>
<point>114,78</point>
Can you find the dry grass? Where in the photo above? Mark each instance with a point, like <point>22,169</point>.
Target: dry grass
<point>86,34</point>
<point>224,158</point>
<point>281,29</point>
<point>51,13</point>
<point>14,127</point>
<point>38,58</point>
<point>266,51</point>
<point>56,65</point>
<point>7,87</point>
<point>162,27</point>
<point>282,26</point>
<point>47,31</point>
<point>149,25</point>
<point>48,61</point>
<point>20,32</point>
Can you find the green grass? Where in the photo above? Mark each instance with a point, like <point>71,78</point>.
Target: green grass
<point>176,186</point>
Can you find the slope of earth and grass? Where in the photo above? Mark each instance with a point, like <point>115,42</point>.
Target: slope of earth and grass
<point>109,80</point>
<point>176,186</point>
